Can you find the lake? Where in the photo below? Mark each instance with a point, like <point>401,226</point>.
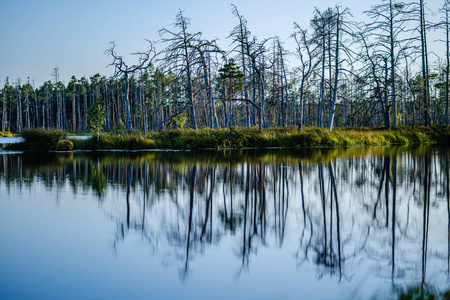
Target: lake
<point>355,223</point>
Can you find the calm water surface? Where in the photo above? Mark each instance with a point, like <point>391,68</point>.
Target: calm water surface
<point>359,223</point>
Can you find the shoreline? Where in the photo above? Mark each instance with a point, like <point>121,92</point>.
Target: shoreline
<point>232,138</point>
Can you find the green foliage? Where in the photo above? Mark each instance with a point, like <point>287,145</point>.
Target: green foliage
<point>41,140</point>
<point>120,127</point>
<point>231,79</point>
<point>96,116</point>
<point>181,121</point>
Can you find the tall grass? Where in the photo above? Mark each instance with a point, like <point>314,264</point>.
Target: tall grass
<point>237,137</point>
<point>110,141</point>
<point>39,140</point>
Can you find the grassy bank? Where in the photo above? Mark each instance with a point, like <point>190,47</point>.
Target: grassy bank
<point>291,137</point>
<point>235,137</point>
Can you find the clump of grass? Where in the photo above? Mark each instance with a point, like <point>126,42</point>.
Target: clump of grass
<point>64,145</point>
<point>41,139</point>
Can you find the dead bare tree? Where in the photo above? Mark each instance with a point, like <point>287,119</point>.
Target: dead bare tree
<point>241,36</point>
<point>205,49</point>
<point>388,22</point>
<point>307,54</point>
<point>121,68</point>
<point>180,56</point>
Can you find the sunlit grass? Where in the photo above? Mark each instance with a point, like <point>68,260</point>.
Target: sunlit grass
<point>238,137</point>
<point>5,134</point>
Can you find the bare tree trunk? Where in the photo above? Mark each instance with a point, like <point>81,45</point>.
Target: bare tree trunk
<point>79,114</point>
<point>107,107</point>
<point>4,114</point>
<point>447,58</point>
<point>424,53</point>
<point>300,115</point>
<point>64,120</point>
<point>27,111</point>
<point>36,108</point>
<point>207,84</point>
<point>386,93</point>
<point>392,57</point>
<point>322,88</point>
<point>127,104</point>
<point>85,110</point>
<point>74,118</point>
<point>261,105</point>
<point>336,75</point>
<point>19,111</point>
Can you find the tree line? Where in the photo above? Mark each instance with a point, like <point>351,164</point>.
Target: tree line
<point>342,73</point>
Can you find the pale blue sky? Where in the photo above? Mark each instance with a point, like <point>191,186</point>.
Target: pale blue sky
<point>38,35</point>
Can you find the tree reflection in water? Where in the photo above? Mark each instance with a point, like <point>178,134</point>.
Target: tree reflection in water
<point>327,203</point>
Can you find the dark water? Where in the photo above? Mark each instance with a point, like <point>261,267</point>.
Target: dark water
<point>361,223</point>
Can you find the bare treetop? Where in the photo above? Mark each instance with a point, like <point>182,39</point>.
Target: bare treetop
<point>119,64</point>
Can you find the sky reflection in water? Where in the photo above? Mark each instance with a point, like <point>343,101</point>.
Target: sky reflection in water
<point>322,224</point>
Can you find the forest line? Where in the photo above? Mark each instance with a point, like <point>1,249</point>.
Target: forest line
<point>375,73</point>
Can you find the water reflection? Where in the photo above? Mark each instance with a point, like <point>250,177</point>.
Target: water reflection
<point>348,213</point>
